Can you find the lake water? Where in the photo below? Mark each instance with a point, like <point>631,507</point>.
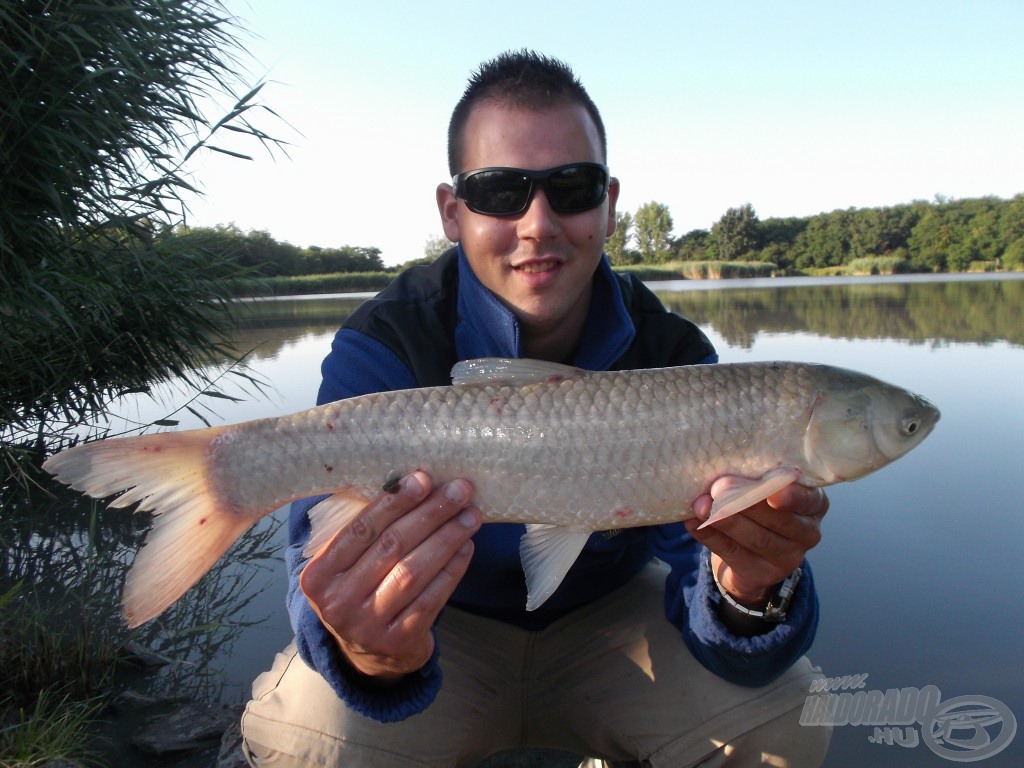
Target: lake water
<point>921,564</point>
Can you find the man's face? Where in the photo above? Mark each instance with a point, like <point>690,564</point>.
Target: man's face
<point>539,263</point>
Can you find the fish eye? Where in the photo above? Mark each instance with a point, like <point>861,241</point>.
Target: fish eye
<point>910,425</point>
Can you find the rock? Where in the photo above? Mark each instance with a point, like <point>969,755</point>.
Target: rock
<point>193,726</point>
<point>133,701</point>
<point>230,755</point>
<point>139,655</point>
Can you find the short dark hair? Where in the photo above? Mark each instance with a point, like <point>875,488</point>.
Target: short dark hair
<point>520,79</point>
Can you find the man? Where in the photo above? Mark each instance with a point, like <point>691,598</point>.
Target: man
<point>412,644</point>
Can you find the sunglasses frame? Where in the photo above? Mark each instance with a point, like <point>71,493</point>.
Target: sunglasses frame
<point>538,179</point>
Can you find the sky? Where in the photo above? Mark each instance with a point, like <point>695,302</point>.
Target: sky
<point>794,107</point>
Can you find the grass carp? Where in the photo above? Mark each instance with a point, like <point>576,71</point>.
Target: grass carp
<point>565,451</point>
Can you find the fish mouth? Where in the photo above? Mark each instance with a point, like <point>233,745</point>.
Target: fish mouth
<point>923,417</point>
<point>931,412</point>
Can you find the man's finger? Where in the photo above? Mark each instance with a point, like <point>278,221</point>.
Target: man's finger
<point>360,534</point>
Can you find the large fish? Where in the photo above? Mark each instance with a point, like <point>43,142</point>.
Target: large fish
<point>565,451</point>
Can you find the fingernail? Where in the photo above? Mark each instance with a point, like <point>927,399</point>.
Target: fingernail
<point>412,485</point>
<point>468,518</point>
<point>455,492</point>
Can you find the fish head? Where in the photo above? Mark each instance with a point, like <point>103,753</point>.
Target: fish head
<point>859,424</point>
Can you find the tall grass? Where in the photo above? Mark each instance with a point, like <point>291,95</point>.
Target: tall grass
<point>721,270</point>
<point>878,265</point>
<point>339,282</point>
<point>700,270</point>
<point>99,116</point>
<point>56,727</point>
<point>63,645</point>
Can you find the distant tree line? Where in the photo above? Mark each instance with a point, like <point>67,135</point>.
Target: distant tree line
<point>263,256</point>
<point>940,236</point>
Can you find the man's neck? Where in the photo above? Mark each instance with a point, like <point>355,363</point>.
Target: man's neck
<point>557,344</point>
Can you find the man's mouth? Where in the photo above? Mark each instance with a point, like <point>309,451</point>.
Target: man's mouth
<point>537,266</point>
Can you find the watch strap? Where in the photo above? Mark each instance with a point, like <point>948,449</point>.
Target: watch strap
<point>777,606</point>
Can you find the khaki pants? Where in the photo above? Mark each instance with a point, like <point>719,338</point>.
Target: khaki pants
<point>612,680</point>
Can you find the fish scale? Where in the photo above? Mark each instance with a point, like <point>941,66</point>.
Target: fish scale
<point>566,452</point>
<point>544,464</point>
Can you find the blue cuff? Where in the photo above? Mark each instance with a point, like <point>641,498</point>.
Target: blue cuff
<point>386,704</point>
<point>749,661</point>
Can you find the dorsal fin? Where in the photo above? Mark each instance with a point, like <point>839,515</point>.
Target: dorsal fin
<point>503,370</point>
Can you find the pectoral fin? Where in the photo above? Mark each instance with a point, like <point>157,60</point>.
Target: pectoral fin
<point>746,493</point>
<point>548,552</point>
<point>329,516</point>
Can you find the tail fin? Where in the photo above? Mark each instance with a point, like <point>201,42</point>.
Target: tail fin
<point>168,474</point>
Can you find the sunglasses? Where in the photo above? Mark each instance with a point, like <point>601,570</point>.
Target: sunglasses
<point>507,191</point>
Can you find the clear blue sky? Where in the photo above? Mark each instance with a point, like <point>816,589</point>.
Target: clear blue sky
<point>793,107</point>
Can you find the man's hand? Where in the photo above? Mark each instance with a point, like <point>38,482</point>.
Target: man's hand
<point>381,582</point>
<point>756,549</point>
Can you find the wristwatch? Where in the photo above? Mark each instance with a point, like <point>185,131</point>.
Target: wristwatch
<point>778,602</point>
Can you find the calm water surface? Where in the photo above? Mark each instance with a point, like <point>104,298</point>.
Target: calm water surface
<point>920,567</point>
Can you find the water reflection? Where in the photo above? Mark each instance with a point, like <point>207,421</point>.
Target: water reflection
<point>911,555</point>
<point>915,563</point>
<point>949,311</point>
<point>978,309</point>
<point>271,324</point>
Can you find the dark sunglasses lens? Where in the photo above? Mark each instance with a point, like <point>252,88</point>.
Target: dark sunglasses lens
<point>497,192</point>
<point>579,188</point>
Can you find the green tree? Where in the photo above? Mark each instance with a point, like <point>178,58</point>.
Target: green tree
<point>880,231</point>
<point>98,117</point>
<point>1011,220</point>
<point>264,255</point>
<point>617,245</point>
<point>693,246</point>
<point>825,242</point>
<point>347,258</point>
<point>653,225</point>
<point>984,227</point>
<point>736,233</point>
<point>1013,256</point>
<point>933,238</point>
<point>435,246</point>
<point>783,232</point>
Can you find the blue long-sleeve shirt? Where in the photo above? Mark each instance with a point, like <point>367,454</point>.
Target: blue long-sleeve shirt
<point>360,363</point>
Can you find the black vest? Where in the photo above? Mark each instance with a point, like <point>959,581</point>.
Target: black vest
<point>416,315</point>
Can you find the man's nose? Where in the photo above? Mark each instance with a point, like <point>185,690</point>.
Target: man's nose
<point>539,220</point>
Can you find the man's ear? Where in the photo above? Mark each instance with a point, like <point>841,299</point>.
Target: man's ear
<point>448,207</point>
<point>613,197</point>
